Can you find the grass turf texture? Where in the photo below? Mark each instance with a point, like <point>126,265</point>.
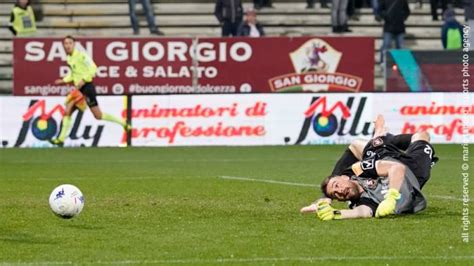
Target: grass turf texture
<point>170,206</point>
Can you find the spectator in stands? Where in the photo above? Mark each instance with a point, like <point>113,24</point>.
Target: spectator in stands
<point>22,19</point>
<point>37,9</point>
<point>351,12</point>
<point>375,10</point>
<point>354,8</point>
<point>339,16</point>
<point>310,4</point>
<point>469,14</point>
<point>394,13</point>
<point>149,13</point>
<point>259,4</point>
<point>435,6</point>
<point>229,13</point>
<point>250,27</point>
<point>451,32</point>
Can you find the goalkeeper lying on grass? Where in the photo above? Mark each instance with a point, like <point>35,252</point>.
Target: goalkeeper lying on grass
<point>385,182</point>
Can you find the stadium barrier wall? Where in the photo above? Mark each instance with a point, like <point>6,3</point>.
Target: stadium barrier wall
<point>252,119</point>
<point>32,121</point>
<point>201,65</point>
<point>428,71</point>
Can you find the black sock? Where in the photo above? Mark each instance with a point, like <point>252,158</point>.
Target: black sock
<point>346,160</point>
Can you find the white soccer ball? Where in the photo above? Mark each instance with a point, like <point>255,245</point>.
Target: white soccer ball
<point>66,201</point>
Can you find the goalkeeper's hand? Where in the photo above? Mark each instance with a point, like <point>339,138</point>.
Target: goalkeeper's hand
<point>326,212</point>
<point>313,208</point>
<point>387,206</point>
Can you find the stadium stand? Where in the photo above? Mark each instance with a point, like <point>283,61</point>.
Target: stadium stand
<point>190,18</point>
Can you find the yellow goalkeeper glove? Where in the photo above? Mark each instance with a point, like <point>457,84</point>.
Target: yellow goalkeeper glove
<point>388,205</point>
<point>326,212</point>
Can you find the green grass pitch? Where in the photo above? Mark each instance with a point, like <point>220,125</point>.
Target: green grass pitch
<point>172,206</point>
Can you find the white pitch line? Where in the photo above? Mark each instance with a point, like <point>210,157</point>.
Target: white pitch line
<point>193,160</point>
<point>316,158</point>
<point>310,185</point>
<point>267,181</point>
<point>248,260</point>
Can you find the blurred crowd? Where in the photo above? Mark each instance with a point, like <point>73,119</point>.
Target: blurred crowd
<point>235,21</point>
<point>392,13</point>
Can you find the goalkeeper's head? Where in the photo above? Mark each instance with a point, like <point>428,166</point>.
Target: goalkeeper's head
<point>341,187</point>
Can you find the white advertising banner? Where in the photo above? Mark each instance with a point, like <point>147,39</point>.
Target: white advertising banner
<point>251,119</point>
<point>448,117</point>
<point>287,119</point>
<point>32,121</point>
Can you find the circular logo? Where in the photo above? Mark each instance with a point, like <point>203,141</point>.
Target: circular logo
<point>245,88</point>
<point>118,88</point>
<point>324,125</point>
<point>44,129</point>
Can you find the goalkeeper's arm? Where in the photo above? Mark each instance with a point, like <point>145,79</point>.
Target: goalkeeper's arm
<point>393,170</point>
<point>396,176</point>
<point>361,211</point>
<point>326,212</point>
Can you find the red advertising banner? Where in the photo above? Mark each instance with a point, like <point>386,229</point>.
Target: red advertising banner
<point>201,65</point>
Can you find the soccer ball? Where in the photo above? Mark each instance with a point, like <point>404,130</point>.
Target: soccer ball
<point>66,201</point>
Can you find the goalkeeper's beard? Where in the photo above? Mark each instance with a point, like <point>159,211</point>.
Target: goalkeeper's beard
<point>353,193</point>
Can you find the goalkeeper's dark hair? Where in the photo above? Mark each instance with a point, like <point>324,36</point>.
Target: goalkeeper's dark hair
<point>70,37</point>
<point>324,185</point>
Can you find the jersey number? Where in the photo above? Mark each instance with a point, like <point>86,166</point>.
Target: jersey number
<point>428,151</point>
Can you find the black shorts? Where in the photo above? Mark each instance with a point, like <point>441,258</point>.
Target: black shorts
<point>88,90</point>
<point>421,157</point>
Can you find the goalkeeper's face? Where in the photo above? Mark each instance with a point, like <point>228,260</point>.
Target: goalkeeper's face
<point>342,188</point>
